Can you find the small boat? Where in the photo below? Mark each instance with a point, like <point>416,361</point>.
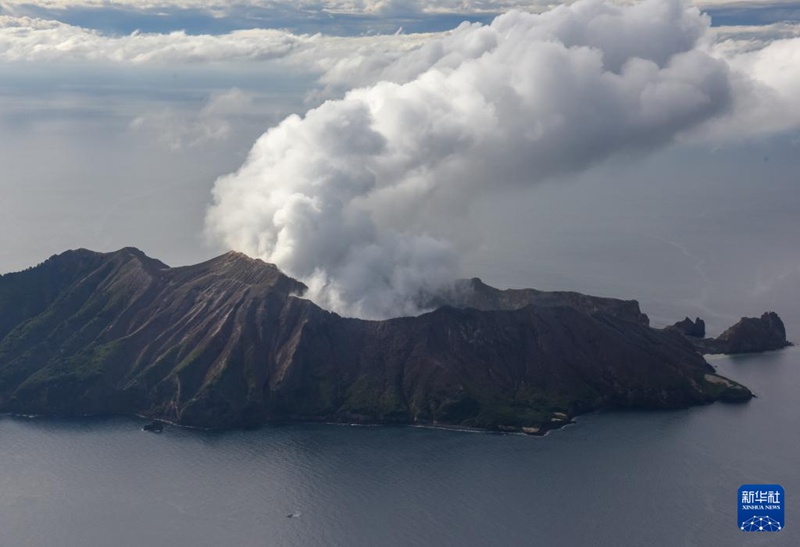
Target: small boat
<point>294,515</point>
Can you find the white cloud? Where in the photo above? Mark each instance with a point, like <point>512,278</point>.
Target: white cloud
<point>765,66</point>
<point>332,197</point>
<point>26,39</point>
<point>741,38</point>
<point>30,39</point>
<point>382,7</point>
<point>743,3</point>
<point>355,7</point>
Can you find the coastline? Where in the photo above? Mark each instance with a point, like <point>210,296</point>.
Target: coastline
<point>542,430</point>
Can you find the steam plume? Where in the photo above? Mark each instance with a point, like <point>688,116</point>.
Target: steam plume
<point>526,98</point>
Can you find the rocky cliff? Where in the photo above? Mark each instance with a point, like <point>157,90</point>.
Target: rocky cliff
<point>749,335</point>
<point>230,343</point>
<point>687,327</point>
<point>474,293</point>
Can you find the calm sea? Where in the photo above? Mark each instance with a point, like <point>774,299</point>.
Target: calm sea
<point>615,478</point>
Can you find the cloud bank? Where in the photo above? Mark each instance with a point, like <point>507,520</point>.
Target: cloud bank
<point>31,39</point>
<point>332,197</point>
<point>346,6</point>
<point>381,7</point>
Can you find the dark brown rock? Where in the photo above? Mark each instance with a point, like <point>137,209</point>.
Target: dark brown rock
<point>749,335</point>
<point>229,343</point>
<point>695,329</point>
<point>474,293</point>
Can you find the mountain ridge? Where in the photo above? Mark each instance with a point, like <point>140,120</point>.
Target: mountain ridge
<point>229,343</point>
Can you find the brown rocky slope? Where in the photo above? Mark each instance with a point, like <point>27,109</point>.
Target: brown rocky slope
<point>228,343</point>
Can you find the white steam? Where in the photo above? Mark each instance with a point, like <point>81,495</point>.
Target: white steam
<point>332,197</point>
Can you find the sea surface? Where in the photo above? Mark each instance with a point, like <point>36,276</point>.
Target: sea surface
<point>614,478</point>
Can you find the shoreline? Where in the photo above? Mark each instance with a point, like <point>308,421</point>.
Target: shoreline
<point>543,430</point>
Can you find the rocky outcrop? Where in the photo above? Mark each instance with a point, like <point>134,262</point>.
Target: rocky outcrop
<point>230,343</point>
<point>474,293</point>
<point>687,327</point>
<point>749,335</point>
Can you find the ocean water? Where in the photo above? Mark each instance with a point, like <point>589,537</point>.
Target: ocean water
<point>614,478</point>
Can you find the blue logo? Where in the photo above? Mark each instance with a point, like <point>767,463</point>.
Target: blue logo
<point>761,508</point>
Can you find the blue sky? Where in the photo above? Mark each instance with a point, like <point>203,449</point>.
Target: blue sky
<point>119,18</point>
<point>757,14</point>
<point>200,21</point>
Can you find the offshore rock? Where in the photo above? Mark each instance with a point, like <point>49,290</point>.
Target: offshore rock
<point>749,335</point>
